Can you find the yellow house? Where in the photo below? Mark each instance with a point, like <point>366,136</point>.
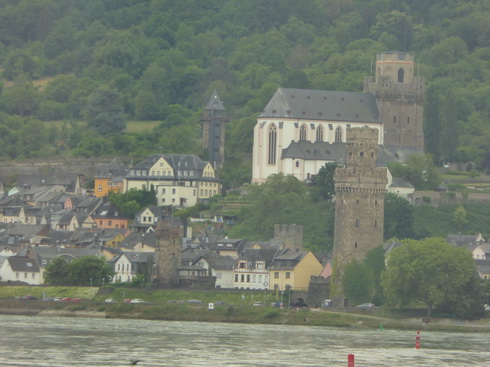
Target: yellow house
<point>180,180</point>
<point>293,269</point>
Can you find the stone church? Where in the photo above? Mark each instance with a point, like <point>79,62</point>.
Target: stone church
<point>300,130</point>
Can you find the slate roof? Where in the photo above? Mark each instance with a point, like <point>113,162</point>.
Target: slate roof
<point>483,266</point>
<point>462,239</point>
<point>49,253</point>
<point>108,210</point>
<point>176,161</point>
<point>114,168</point>
<point>307,104</point>
<point>336,152</point>
<point>23,264</point>
<point>287,259</point>
<point>149,239</point>
<point>217,262</point>
<point>399,182</point>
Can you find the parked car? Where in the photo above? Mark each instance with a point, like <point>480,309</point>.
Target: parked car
<point>365,306</point>
<point>110,300</point>
<point>300,303</point>
<point>76,300</point>
<point>137,300</point>
<point>258,304</point>
<point>127,300</point>
<point>194,301</point>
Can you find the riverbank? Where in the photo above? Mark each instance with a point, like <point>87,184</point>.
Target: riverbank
<point>234,314</point>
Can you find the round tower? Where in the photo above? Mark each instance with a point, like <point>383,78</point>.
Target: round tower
<point>359,205</point>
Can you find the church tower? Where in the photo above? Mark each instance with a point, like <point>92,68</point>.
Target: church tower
<point>213,130</point>
<point>400,98</point>
<point>359,205</point>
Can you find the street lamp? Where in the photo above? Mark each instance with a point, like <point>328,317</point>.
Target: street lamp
<point>103,280</point>
<point>91,284</point>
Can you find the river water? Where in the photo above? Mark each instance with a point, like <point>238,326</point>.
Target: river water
<point>52,341</point>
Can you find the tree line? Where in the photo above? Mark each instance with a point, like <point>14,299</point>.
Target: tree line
<point>74,73</point>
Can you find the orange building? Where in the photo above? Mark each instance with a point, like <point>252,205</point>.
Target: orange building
<point>109,177</point>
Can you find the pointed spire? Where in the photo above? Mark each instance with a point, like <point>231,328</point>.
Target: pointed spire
<point>215,103</point>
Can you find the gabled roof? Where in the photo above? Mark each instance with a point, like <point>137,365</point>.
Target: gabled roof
<point>107,210</point>
<point>148,239</point>
<point>463,239</point>
<point>114,168</point>
<point>314,105</point>
<point>399,182</point>
<point>483,266</point>
<point>176,161</point>
<point>23,264</point>
<point>218,262</point>
<point>44,252</point>
<point>287,259</point>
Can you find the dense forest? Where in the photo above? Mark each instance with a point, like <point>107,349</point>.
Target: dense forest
<point>77,74</point>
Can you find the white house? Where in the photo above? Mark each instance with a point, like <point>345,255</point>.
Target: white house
<point>21,269</point>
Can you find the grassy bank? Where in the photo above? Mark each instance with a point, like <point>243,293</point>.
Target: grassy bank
<point>229,306</point>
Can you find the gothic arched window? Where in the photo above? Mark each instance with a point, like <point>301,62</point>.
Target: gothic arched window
<point>401,75</point>
<point>302,132</point>
<point>338,134</point>
<point>319,133</point>
<point>271,157</point>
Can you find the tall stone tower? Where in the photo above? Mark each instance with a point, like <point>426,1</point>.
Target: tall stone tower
<point>400,98</point>
<point>168,253</point>
<point>291,235</point>
<point>359,205</point>
<point>213,130</point>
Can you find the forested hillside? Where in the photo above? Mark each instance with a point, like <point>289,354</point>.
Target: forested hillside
<point>76,72</point>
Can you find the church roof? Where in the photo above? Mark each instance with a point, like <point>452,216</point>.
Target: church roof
<point>322,105</point>
<point>307,150</point>
<point>335,152</point>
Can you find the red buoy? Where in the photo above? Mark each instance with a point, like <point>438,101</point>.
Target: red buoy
<point>350,360</point>
<point>417,340</point>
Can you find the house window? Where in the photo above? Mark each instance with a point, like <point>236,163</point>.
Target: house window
<point>358,223</point>
<point>248,278</point>
<point>297,164</point>
<point>394,119</point>
<point>110,222</point>
<point>33,275</point>
<point>242,278</point>
<point>319,133</point>
<point>25,275</point>
<point>408,119</point>
<point>271,159</point>
<point>288,275</point>
<point>276,275</point>
<point>99,187</point>
<point>338,134</point>
<point>236,277</point>
<point>173,191</point>
<point>16,275</point>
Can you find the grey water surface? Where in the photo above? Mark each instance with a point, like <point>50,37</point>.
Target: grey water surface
<point>57,341</point>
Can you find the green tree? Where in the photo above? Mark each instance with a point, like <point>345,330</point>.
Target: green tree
<point>429,271</point>
<point>105,113</point>
<point>57,272</point>
<point>358,282</point>
<point>90,270</point>
<point>398,217</point>
<point>324,181</point>
<point>459,217</point>
<point>375,261</point>
<point>133,201</point>
<point>419,170</point>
